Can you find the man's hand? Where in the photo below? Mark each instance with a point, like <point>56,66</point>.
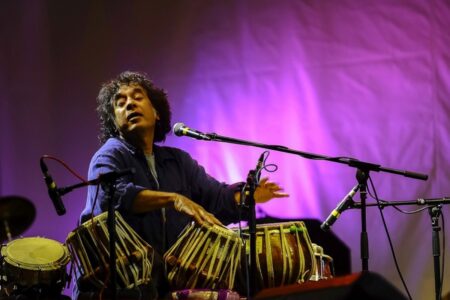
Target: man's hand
<point>267,190</point>
<point>190,208</point>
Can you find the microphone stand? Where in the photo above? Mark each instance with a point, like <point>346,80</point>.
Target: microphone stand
<point>250,187</point>
<point>363,169</point>
<point>108,180</point>
<point>109,187</point>
<point>435,210</point>
<point>362,176</point>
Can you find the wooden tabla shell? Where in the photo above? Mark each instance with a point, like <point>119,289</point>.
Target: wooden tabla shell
<point>284,255</point>
<point>204,256</point>
<point>89,246</point>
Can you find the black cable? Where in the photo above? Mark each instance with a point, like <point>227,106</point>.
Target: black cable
<point>382,201</point>
<point>389,239</point>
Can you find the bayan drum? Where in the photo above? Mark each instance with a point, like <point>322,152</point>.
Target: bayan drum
<point>204,256</point>
<point>284,255</point>
<point>325,266</point>
<point>89,246</point>
<point>34,262</point>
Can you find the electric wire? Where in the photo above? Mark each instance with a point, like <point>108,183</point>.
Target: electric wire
<point>389,240</point>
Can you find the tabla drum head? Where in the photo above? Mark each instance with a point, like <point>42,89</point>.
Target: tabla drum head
<point>35,253</point>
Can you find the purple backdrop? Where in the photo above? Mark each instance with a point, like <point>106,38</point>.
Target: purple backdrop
<point>366,79</point>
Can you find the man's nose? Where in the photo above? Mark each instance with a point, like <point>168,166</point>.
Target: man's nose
<point>130,103</point>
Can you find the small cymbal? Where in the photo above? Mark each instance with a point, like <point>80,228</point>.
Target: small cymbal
<point>16,215</point>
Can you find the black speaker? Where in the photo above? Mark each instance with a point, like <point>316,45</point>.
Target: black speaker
<point>358,286</point>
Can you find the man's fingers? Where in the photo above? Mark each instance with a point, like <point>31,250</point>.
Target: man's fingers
<point>281,195</point>
<point>263,180</point>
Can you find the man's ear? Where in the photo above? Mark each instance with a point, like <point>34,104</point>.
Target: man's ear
<point>155,114</point>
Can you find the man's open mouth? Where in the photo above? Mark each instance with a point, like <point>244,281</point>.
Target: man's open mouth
<point>133,115</point>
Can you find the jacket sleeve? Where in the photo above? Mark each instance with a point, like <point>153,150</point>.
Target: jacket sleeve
<point>216,197</point>
<point>125,188</point>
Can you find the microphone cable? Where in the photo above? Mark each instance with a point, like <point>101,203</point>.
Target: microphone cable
<point>389,239</point>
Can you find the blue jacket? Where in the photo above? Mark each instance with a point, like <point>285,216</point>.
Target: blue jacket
<point>177,172</point>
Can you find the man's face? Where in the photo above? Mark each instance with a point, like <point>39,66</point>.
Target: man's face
<point>133,111</point>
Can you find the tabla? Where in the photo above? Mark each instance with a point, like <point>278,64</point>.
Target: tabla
<point>34,262</point>
<point>89,246</point>
<point>284,254</point>
<point>204,256</point>
<point>325,266</point>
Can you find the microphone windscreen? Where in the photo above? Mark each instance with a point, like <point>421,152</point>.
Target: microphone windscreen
<point>177,128</point>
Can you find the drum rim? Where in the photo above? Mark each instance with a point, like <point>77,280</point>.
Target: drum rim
<point>63,260</point>
<point>100,218</point>
<point>220,230</point>
<point>285,227</point>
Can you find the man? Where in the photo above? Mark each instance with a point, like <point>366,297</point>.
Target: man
<point>168,188</point>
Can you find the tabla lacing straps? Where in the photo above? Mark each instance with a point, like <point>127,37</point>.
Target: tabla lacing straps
<point>92,274</point>
<point>311,251</point>
<point>288,255</point>
<point>308,244</point>
<point>140,246</point>
<point>175,246</point>
<point>223,251</point>
<point>200,264</point>
<point>235,261</point>
<point>89,269</point>
<point>196,248</point>
<point>284,253</point>
<point>211,257</point>
<point>101,258</point>
<point>258,264</point>
<point>120,247</point>
<point>120,266</point>
<point>191,235</point>
<point>269,258</point>
<point>141,249</point>
<point>81,263</point>
<point>209,250</point>
<point>301,258</point>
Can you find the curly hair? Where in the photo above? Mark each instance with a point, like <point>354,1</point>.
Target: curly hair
<point>157,96</point>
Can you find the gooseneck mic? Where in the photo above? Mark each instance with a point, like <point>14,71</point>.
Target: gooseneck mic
<point>343,205</point>
<point>179,129</point>
<point>53,191</point>
<point>259,166</point>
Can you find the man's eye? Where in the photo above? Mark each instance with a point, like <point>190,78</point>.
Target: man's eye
<point>120,102</point>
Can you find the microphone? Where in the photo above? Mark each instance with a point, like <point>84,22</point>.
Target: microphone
<point>343,205</point>
<point>179,129</point>
<point>53,191</point>
<point>259,166</point>
<point>253,176</point>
